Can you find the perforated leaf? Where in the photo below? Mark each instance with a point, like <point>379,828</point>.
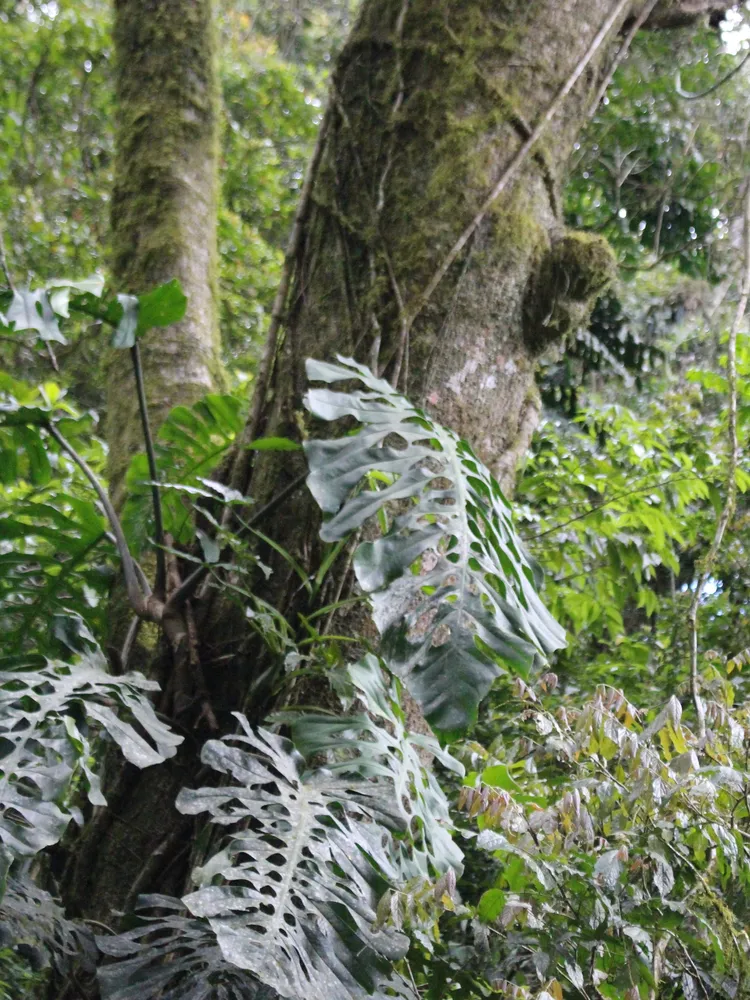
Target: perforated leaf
<point>46,711</point>
<point>174,956</point>
<point>299,882</point>
<point>32,917</point>
<point>376,744</point>
<point>453,592</point>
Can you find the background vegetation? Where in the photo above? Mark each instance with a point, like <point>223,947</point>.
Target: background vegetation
<point>600,801</point>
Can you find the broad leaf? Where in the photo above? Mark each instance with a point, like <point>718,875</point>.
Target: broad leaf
<point>46,709</point>
<point>292,896</point>
<point>453,592</point>
<point>174,956</point>
<point>376,744</point>
<point>162,306</point>
<point>31,916</point>
<point>32,311</point>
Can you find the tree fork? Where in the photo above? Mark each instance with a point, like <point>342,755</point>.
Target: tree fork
<point>424,123</point>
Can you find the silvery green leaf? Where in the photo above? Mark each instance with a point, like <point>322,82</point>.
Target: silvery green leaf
<point>453,592</point>
<point>608,868</point>
<point>32,311</point>
<point>125,333</point>
<point>32,916</point>
<point>297,885</point>
<point>174,956</point>
<point>377,745</point>
<point>44,747</point>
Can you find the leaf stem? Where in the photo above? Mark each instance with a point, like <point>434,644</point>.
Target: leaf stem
<point>161,572</point>
<point>135,594</point>
<point>731,500</point>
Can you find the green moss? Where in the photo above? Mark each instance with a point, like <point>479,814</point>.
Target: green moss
<point>570,278</point>
<point>163,216</point>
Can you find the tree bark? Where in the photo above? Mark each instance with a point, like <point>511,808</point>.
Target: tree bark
<point>164,207</point>
<point>430,101</point>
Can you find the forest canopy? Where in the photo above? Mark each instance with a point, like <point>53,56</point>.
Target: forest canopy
<point>374,520</point>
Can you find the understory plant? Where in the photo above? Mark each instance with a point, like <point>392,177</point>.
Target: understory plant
<point>534,841</point>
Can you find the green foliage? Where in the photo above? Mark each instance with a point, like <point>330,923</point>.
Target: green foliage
<point>654,171</point>
<point>377,745</point>
<point>614,839</point>
<point>49,714</point>
<point>603,849</point>
<point>55,557</point>
<point>453,594</point>
<point>618,507</point>
<point>189,446</point>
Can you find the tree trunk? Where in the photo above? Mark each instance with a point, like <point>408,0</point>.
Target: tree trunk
<point>164,218</point>
<point>164,206</point>
<point>431,100</point>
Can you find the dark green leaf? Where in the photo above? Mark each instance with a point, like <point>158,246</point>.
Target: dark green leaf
<point>161,307</point>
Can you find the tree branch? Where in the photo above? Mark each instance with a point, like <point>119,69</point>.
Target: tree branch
<point>731,499</point>
<point>627,41</point>
<point>715,86</point>
<point>669,14</point>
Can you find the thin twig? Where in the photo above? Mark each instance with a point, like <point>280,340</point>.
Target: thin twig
<point>240,471</point>
<point>715,86</point>
<point>606,503</point>
<point>127,646</point>
<point>190,583</point>
<point>518,159</point>
<point>4,264</point>
<point>621,53</point>
<point>161,573</point>
<point>731,500</point>
<point>135,594</point>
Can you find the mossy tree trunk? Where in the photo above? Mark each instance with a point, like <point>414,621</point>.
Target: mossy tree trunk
<point>164,205</point>
<point>163,226</point>
<point>431,100</point>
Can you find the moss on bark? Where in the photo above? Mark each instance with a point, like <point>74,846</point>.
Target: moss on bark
<point>164,205</point>
<point>573,273</point>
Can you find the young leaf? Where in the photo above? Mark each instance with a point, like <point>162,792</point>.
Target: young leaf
<point>162,306</point>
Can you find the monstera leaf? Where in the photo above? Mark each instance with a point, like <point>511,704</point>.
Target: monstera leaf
<point>453,593</point>
<point>376,744</point>
<point>299,882</point>
<point>30,917</point>
<point>174,956</point>
<point>46,710</point>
